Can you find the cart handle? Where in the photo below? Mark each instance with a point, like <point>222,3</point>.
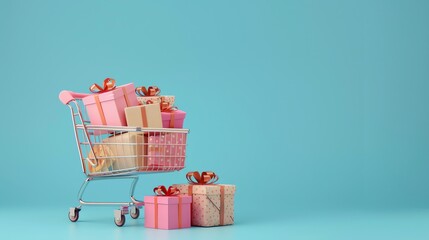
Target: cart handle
<point>68,96</point>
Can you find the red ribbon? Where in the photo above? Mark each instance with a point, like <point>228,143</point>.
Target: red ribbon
<point>108,84</point>
<point>195,178</point>
<point>163,191</point>
<point>167,107</point>
<point>149,92</point>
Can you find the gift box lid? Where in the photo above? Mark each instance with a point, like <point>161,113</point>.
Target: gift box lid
<point>148,97</point>
<point>168,200</point>
<point>178,114</point>
<point>209,189</point>
<point>110,95</point>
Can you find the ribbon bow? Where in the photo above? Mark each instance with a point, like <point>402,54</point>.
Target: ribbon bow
<point>204,178</point>
<point>150,91</point>
<point>167,107</point>
<point>163,191</point>
<point>108,84</point>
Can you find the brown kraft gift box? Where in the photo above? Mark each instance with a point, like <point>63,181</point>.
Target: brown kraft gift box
<point>128,150</point>
<point>144,116</point>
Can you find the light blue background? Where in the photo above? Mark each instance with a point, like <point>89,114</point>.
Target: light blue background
<point>316,110</point>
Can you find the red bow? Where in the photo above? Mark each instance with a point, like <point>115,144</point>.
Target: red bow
<point>163,191</point>
<point>150,91</point>
<point>108,84</point>
<point>167,107</point>
<point>203,178</point>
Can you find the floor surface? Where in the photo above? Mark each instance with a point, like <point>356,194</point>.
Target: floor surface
<point>97,223</point>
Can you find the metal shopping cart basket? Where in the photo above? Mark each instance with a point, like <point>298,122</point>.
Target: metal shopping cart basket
<point>117,152</point>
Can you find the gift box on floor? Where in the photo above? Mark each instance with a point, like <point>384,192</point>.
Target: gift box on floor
<point>107,106</point>
<point>212,204</point>
<point>166,151</point>
<point>167,210</point>
<point>144,116</point>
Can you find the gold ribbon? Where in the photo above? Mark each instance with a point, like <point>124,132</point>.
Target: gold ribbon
<point>222,206</point>
<point>108,84</point>
<point>144,116</point>
<point>100,110</point>
<point>155,202</point>
<point>148,92</point>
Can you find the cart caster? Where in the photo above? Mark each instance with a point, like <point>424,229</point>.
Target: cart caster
<point>135,212</point>
<point>74,214</point>
<point>120,222</point>
<point>119,218</point>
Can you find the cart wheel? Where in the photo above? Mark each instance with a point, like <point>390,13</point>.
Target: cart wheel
<point>121,222</point>
<point>135,213</point>
<point>76,215</point>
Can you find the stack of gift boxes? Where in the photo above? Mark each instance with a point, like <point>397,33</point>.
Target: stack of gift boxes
<point>120,106</point>
<point>136,107</point>
<point>200,202</point>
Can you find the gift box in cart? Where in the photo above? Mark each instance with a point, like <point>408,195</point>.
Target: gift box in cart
<point>121,152</point>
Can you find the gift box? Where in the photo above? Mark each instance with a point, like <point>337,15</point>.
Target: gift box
<point>127,150</point>
<point>212,204</point>
<point>147,152</point>
<point>144,116</point>
<point>107,107</point>
<point>149,100</point>
<point>173,118</point>
<point>167,211</point>
<point>151,95</point>
<point>119,152</point>
<point>168,100</point>
<point>166,151</point>
<point>156,99</point>
<point>103,154</point>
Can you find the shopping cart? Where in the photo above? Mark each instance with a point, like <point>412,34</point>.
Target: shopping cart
<point>117,152</point>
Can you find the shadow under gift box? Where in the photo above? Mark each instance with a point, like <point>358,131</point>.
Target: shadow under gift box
<point>108,108</point>
<point>146,152</point>
<point>167,212</point>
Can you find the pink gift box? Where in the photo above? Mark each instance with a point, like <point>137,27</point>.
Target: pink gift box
<point>165,212</point>
<point>108,108</point>
<point>178,119</point>
<point>166,151</point>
